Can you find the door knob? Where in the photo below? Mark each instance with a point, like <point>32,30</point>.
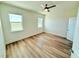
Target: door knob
<point>71,50</point>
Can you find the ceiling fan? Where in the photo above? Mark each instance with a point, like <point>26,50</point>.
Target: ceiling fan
<point>46,7</point>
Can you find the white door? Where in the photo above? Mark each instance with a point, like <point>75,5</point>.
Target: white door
<point>2,45</point>
<point>75,46</point>
<point>71,27</point>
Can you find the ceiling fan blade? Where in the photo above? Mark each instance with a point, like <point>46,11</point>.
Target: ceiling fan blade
<point>52,6</point>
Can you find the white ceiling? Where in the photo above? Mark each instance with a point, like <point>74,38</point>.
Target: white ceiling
<point>36,5</point>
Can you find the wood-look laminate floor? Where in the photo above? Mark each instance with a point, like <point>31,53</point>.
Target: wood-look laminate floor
<point>40,46</point>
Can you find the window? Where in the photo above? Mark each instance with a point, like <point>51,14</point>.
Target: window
<point>40,22</point>
<point>15,22</point>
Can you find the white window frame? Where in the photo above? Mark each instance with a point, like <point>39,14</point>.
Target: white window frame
<point>13,30</point>
<point>40,25</point>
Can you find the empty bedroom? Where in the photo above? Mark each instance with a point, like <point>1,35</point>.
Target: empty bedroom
<point>39,29</point>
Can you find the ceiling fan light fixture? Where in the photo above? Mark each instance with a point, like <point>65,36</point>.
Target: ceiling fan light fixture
<point>46,10</point>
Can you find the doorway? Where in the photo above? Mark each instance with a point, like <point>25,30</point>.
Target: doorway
<point>71,28</point>
<point>2,44</point>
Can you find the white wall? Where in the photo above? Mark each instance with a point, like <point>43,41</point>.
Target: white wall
<point>29,23</point>
<point>2,43</point>
<point>56,24</point>
<point>56,21</point>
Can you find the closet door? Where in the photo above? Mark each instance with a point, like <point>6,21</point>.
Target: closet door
<point>2,44</point>
<point>75,46</point>
<point>71,28</point>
